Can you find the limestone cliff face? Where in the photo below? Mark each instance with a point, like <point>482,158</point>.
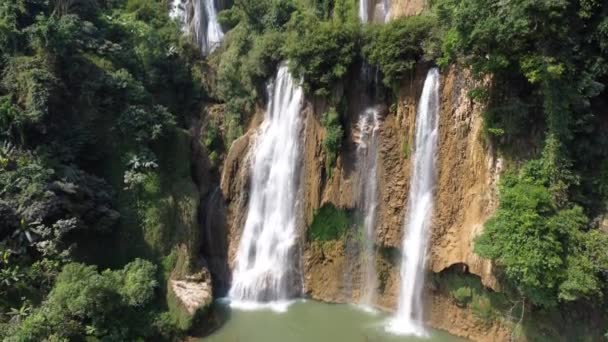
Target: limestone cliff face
<point>466,182</point>
<point>467,176</point>
<point>396,9</point>
<point>466,191</point>
<point>400,8</point>
<point>332,268</point>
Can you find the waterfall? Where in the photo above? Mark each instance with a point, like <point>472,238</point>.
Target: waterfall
<point>214,34</point>
<point>367,159</point>
<point>386,10</point>
<point>266,268</point>
<point>409,317</point>
<point>178,11</point>
<point>364,10</point>
<point>199,18</point>
<point>380,10</point>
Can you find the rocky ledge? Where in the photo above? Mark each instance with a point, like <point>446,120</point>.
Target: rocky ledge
<point>191,294</point>
<point>189,298</point>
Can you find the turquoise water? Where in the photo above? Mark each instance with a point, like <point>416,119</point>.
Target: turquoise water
<point>310,321</point>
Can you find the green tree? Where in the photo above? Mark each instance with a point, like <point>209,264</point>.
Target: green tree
<point>320,52</point>
<point>396,47</point>
<point>85,303</point>
<point>334,133</point>
<point>541,249</point>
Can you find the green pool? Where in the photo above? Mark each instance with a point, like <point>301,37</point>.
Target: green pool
<point>310,321</point>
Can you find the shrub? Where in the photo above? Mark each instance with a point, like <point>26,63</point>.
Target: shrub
<point>462,295</point>
<point>258,15</point>
<point>329,223</point>
<point>396,47</point>
<point>145,125</point>
<point>247,60</point>
<point>211,136</point>
<point>84,85</point>
<point>482,309</point>
<point>541,248</point>
<point>320,52</point>
<point>334,134</point>
<point>86,303</point>
<point>33,84</point>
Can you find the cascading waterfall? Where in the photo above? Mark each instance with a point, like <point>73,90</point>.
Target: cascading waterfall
<point>368,128</point>
<point>178,11</point>
<point>408,319</point>
<point>367,7</point>
<point>266,268</point>
<point>214,34</point>
<point>199,18</point>
<point>364,10</point>
<point>367,158</point>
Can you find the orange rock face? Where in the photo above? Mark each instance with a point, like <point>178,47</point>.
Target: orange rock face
<point>466,196</point>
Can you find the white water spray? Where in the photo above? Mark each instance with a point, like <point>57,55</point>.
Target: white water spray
<point>199,18</point>
<point>409,316</point>
<point>368,128</point>
<point>266,268</point>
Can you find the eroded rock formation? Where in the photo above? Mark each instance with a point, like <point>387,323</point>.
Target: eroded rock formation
<point>467,181</point>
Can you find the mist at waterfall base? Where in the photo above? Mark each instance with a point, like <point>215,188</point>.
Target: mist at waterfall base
<point>409,317</point>
<point>266,270</point>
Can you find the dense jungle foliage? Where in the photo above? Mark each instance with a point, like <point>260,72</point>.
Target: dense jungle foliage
<point>548,65</point>
<point>96,95</point>
<point>93,97</point>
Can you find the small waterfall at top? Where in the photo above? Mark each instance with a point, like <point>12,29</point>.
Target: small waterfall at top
<point>368,128</point>
<point>368,10</point>
<point>266,268</point>
<point>409,317</point>
<point>364,10</point>
<point>199,18</point>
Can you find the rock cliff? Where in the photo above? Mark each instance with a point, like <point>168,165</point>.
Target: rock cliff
<point>468,171</point>
<point>401,8</point>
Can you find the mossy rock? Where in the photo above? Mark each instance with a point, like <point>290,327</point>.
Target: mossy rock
<point>329,223</point>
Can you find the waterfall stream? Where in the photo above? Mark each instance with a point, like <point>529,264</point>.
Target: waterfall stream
<point>266,268</point>
<point>199,18</point>
<point>368,128</point>
<point>369,11</point>
<point>364,10</point>
<point>408,319</point>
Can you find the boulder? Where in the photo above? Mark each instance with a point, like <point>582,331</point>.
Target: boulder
<point>189,299</point>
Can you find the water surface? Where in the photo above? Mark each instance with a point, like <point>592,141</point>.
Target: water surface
<point>310,321</point>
